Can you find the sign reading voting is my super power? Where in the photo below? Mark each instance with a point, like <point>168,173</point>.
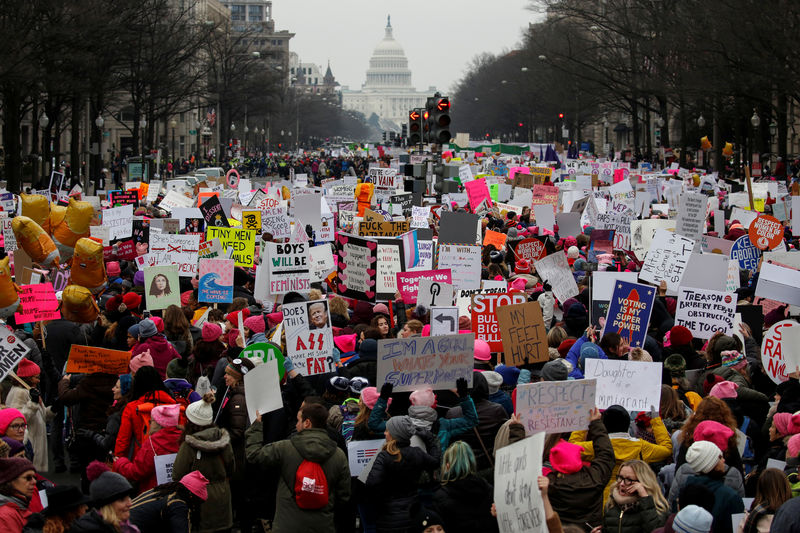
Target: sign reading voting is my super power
<point>629,311</point>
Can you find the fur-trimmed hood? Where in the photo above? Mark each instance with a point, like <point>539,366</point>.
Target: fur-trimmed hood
<point>209,440</point>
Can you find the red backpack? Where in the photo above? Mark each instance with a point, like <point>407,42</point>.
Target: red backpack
<point>310,486</point>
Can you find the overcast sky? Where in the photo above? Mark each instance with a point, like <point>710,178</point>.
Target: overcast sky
<point>346,32</point>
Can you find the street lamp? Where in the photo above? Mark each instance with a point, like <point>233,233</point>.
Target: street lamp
<point>99,122</point>
<point>701,122</point>
<point>44,120</point>
<point>142,126</point>
<point>173,124</point>
<point>755,120</point>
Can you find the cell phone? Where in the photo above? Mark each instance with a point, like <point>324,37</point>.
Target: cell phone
<point>146,314</point>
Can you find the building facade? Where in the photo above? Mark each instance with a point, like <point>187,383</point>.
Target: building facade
<point>308,78</point>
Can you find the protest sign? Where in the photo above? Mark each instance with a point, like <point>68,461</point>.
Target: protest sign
<point>464,263</point>
<point>262,389</point>
<point>276,222</point>
<point>425,251</point>
<point>10,240</point>
<point>643,231</point>
<point>356,267</point>
<point>709,271</point>
<point>163,467</point>
<point>179,250</point>
<point>444,320</point>
<point>390,262</point>
<point>162,287</point>
<point>555,270</point>
<point>570,224</point>
<point>629,312</point>
<point>495,238</point>
<point>715,245</point>
<point>321,263</point>
<point>213,213</point>
<point>484,315</point>
<point>635,385</point>
<point>745,253</point>
<point>544,195</point>
<point>175,199</point>
<point>12,350</point>
<point>361,452</point>
<point>119,220</point>
<point>386,182</point>
<point>704,312</point>
<point>669,253</point>
<point>251,219</point>
<point>691,215</point>
<point>309,337</point>
<point>480,200</point>
<point>433,293</point>
<point>308,209</point>
<point>216,281</point>
<point>517,498</point>
<point>287,266</point>
<point>382,228</point>
<point>129,197</point>
<point>36,303</point>
<point>458,228</point>
<point>531,249</point>
<point>778,283</point>
<point>419,216</point>
<point>241,242</point>
<point>523,333</point>
<point>766,232</point>
<point>618,218</point>
<point>545,218</point>
<point>89,359</point>
<point>408,282</point>
<point>556,406</point>
<point>416,362</point>
<point>775,350</point>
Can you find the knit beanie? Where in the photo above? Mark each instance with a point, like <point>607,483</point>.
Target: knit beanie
<point>109,487</point>
<point>565,457</point>
<point>733,359</point>
<point>138,361</point>
<point>676,365</point>
<point>793,446</point>
<point>522,266</point>
<point>494,380</point>
<point>211,332</point>
<point>518,284</point>
<point>555,371</point>
<point>680,336</point>
<point>424,397</point>
<point>345,343</point>
<point>255,324</point>
<point>8,415</point>
<point>28,368</point>
<point>464,323</point>
<point>13,467</point>
<point>482,350</point>
<point>147,329</point>
<point>703,456</point>
<point>573,252</point>
<point>692,519</point>
<point>563,348</point>
<point>14,446</point>
<point>724,389</point>
<point>112,269</point>
<point>166,416</point>
<point>200,412</point>
<point>125,382</point>
<point>710,381</point>
<point>589,350</point>
<point>787,423</point>
<point>133,331</point>
<point>233,317</point>
<point>138,278</point>
<point>510,374</point>
<point>159,323</point>
<point>616,419</point>
<point>713,431</point>
<point>401,428</point>
<point>370,397</point>
<point>131,300</point>
<point>196,483</point>
<point>239,367</point>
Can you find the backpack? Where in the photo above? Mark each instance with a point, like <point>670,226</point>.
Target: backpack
<point>310,486</point>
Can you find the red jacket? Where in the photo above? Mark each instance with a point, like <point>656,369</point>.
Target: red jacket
<point>132,426</point>
<point>161,351</point>
<point>143,469</point>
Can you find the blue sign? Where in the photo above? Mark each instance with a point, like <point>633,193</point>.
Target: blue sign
<point>745,253</point>
<point>629,311</point>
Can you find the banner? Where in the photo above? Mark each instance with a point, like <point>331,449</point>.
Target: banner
<point>516,493</point>
<point>309,337</point>
<point>216,281</point>
<point>36,303</point>
<point>88,359</point>
<point>408,282</point>
<point>635,385</point>
<point>418,362</point>
<point>287,267</point>
<point>629,312</point>
<point>484,315</point>
<point>242,243</point>
<point>556,406</point>
<point>523,333</point>
<point>704,312</point>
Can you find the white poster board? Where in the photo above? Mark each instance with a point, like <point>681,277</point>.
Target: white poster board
<point>516,491</point>
<point>556,406</point>
<point>262,389</point>
<point>635,385</point>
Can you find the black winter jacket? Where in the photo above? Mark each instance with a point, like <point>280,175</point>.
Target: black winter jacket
<point>465,505</point>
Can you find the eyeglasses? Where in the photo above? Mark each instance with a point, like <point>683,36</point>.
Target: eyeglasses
<point>622,480</point>
<point>29,477</point>
<point>17,427</point>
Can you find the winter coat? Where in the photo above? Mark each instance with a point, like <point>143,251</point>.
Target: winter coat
<point>166,513</point>
<point>785,520</point>
<point>395,483</point>
<point>92,394</point>
<point>465,504</point>
<point>132,427</point>
<point>363,367</point>
<point>143,468</point>
<point>61,335</point>
<point>313,445</point>
<point>641,517</point>
<point>490,417</point>
<point>726,502</point>
<point>574,355</point>
<point>35,415</point>
<point>627,448</point>
<point>502,398</point>
<point>733,479</point>
<point>209,451</point>
<point>13,514</point>
<point>233,417</point>
<point>92,522</point>
<point>161,351</point>
<point>578,497</point>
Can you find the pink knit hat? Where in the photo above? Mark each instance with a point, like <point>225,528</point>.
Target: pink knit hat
<point>714,432</point>
<point>482,350</point>
<point>211,331</point>
<point>8,415</point>
<point>166,416</point>
<point>787,423</point>
<point>28,368</point>
<point>565,457</point>
<point>159,322</point>
<point>196,483</point>
<point>424,397</point>
<point>255,324</point>
<point>793,446</point>
<point>370,397</point>
<point>138,361</point>
<point>518,284</point>
<point>724,389</point>
<point>345,343</point>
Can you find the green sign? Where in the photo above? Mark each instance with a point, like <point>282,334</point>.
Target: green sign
<point>192,132</point>
<point>135,171</point>
<point>265,351</point>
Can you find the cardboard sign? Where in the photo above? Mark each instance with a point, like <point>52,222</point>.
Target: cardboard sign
<point>531,250</point>
<point>704,312</point>
<point>356,267</point>
<point>408,282</point>
<point>262,389</point>
<point>634,385</point>
<point>179,250</point>
<point>216,281</point>
<point>241,242</point>
<point>669,253</point>
<point>745,253</point>
<point>416,362</point>
<point>776,351</point>
<point>361,452</point>
<point>88,359</point>
<point>629,312</point>
<point>555,270</point>
<point>464,263</point>
<point>766,232</point>
<point>309,337</point>
<point>287,267</point>
<point>484,315</point>
<point>162,287</point>
<point>523,333</point>
<point>556,406</point>
<point>37,302</point>
<point>12,350</point>
<point>516,494</point>
<point>444,321</point>
<point>119,220</point>
<point>385,228</point>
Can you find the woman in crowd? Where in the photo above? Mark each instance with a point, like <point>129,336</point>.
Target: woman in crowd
<point>772,491</point>
<point>636,503</point>
<point>172,506</point>
<point>25,397</point>
<point>17,484</point>
<point>464,499</point>
<point>111,507</point>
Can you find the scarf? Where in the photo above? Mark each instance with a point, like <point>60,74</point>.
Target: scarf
<point>625,503</point>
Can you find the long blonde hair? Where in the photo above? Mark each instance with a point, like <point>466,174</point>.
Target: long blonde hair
<point>109,516</point>
<point>392,448</point>
<point>648,480</point>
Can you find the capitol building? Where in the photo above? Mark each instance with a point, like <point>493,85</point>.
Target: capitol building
<point>387,92</point>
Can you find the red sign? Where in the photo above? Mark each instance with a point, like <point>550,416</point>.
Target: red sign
<point>766,232</point>
<point>531,249</point>
<point>484,319</point>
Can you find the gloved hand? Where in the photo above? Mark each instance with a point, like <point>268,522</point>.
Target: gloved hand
<point>287,364</point>
<point>34,395</point>
<point>462,388</point>
<point>386,391</point>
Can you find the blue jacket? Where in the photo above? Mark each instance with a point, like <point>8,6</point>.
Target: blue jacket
<point>501,397</point>
<point>574,355</point>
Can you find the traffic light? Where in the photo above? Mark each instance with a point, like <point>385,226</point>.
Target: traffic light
<point>403,130</point>
<point>439,119</point>
<point>561,116</point>
<point>427,119</point>
<point>384,136</point>
<point>414,126</point>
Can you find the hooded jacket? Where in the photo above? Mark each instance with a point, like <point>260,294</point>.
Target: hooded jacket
<point>13,513</point>
<point>465,504</point>
<point>313,445</point>
<point>161,351</point>
<point>209,452</point>
<point>142,468</point>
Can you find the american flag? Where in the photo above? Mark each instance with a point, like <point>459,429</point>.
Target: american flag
<point>211,116</point>
<point>366,454</point>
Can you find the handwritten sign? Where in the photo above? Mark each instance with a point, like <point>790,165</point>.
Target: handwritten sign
<point>704,312</point>
<point>216,281</point>
<point>242,243</point>
<point>417,362</point>
<point>635,385</point>
<point>555,269</point>
<point>288,268</point>
<point>484,315</point>
<point>356,267</point>
<point>276,222</point>
<point>309,337</point>
<point>464,263</point>
<point>170,249</point>
<point>88,359</point>
<point>669,253</point>
<point>775,351</point>
<point>516,493</point>
<point>629,311</point>
<point>37,302</point>
<point>692,215</point>
<point>120,221</point>
<point>523,333</point>
<point>12,350</point>
<point>390,262</point>
<point>556,406</point>
<point>383,228</point>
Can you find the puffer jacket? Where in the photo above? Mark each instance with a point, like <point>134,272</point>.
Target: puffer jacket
<point>726,502</point>
<point>465,505</point>
<point>209,452</point>
<point>395,483</point>
<point>627,448</point>
<point>313,445</point>
<point>161,351</point>
<point>640,516</point>
<point>233,417</point>
<point>142,468</point>
<point>132,426</point>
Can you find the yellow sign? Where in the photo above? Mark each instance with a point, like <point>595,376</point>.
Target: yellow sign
<point>241,241</point>
<point>251,219</point>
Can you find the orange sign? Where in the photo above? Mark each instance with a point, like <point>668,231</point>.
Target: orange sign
<point>88,359</point>
<point>766,232</point>
<point>496,238</point>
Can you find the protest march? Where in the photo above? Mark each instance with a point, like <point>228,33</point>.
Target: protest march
<point>547,343</point>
